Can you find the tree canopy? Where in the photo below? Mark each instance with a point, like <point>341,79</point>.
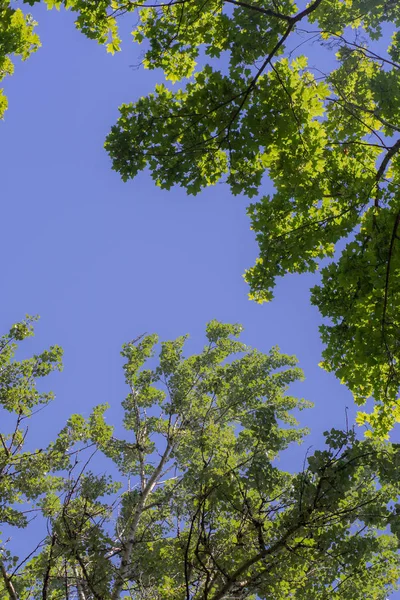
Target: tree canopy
<point>257,101</point>
<point>194,505</point>
<point>254,99</point>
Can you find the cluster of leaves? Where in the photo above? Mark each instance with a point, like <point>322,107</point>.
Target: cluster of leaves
<point>204,512</point>
<point>23,474</point>
<point>17,38</point>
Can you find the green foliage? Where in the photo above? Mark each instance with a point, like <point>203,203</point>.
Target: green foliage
<point>17,38</point>
<point>249,105</point>
<point>195,505</point>
<point>23,473</point>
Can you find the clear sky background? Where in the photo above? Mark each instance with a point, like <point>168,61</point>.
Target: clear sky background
<point>102,261</point>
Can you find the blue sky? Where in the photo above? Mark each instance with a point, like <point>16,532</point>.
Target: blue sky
<point>102,261</point>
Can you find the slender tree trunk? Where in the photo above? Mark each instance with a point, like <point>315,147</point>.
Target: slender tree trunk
<point>128,545</point>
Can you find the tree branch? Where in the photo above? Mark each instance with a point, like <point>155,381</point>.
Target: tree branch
<point>46,579</point>
<point>7,582</point>
<point>385,300</point>
<point>265,11</point>
<point>81,593</point>
<point>391,152</point>
<point>125,555</point>
<point>234,578</point>
<point>307,11</point>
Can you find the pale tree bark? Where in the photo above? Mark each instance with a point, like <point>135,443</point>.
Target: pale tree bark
<point>131,535</point>
<point>8,583</point>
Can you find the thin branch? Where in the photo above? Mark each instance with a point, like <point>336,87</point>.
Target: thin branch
<point>6,450</point>
<point>364,50</point>
<point>260,71</point>
<point>391,152</point>
<point>307,11</point>
<point>385,300</point>
<point>234,578</point>
<point>7,582</point>
<point>265,11</point>
<point>46,579</point>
